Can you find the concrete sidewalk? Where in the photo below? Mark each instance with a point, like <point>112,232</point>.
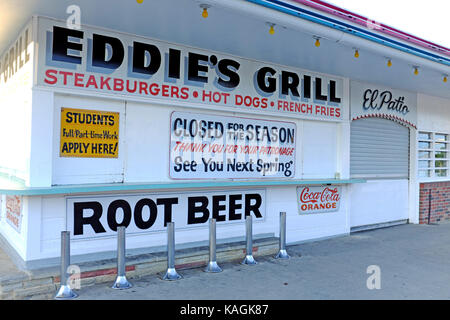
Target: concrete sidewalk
<point>414,261</point>
<point>41,284</point>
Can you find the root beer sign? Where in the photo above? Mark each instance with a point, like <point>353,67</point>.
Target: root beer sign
<point>99,216</point>
<point>318,199</point>
<point>215,147</point>
<point>95,60</point>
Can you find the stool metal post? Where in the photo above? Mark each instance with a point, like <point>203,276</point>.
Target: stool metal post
<point>171,273</point>
<point>249,260</point>
<point>121,280</point>
<point>65,292</point>
<point>212,266</point>
<point>282,254</point>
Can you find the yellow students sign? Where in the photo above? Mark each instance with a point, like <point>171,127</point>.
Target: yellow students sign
<point>89,134</point>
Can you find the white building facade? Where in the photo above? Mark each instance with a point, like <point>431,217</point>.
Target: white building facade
<point>102,127</point>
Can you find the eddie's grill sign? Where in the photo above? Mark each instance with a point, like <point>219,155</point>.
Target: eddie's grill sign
<point>108,62</point>
<point>318,199</point>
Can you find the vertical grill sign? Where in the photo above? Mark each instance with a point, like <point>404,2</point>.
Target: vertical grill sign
<point>89,134</point>
<point>318,199</point>
<point>217,147</point>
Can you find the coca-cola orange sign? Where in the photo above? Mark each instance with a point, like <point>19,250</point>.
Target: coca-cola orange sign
<point>318,199</point>
<point>14,211</point>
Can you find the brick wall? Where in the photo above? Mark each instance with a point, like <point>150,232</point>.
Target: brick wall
<point>440,202</point>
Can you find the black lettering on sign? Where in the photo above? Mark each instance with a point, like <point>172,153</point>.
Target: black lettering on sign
<point>138,219</point>
<point>99,52</point>
<point>61,45</point>
<point>233,206</point>
<point>370,98</point>
<point>193,209</point>
<point>333,97</point>
<point>217,208</point>
<point>174,63</point>
<point>319,95</point>
<point>168,204</point>
<point>112,214</point>
<point>289,82</point>
<point>79,220</point>
<point>143,216</point>
<point>253,208</point>
<point>194,67</point>
<point>139,53</point>
<point>373,99</point>
<point>226,67</point>
<point>268,85</point>
<point>306,87</point>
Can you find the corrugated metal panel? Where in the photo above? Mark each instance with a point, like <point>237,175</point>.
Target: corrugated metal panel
<point>379,148</point>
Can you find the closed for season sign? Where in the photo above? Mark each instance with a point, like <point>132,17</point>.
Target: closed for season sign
<point>207,146</point>
<point>89,134</point>
<point>318,199</point>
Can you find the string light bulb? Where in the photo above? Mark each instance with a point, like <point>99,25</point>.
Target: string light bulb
<point>356,53</point>
<point>416,71</point>
<point>389,63</point>
<point>272,29</point>
<point>317,43</point>
<point>445,79</point>
<point>205,8</point>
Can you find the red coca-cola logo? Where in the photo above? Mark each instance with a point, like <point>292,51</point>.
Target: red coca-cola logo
<point>13,204</point>
<point>326,195</point>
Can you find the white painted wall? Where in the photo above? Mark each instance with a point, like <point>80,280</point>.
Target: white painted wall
<point>322,150</point>
<point>87,170</point>
<point>378,201</point>
<point>433,114</point>
<point>306,227</point>
<point>41,151</point>
<point>145,139</point>
<point>33,154</point>
<point>144,157</point>
<point>319,152</point>
<point>16,131</point>
<point>299,228</point>
<point>15,111</point>
<point>15,239</point>
<point>413,201</point>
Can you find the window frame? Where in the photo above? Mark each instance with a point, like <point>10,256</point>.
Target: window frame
<point>431,170</point>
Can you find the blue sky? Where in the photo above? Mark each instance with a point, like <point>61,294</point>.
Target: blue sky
<point>425,19</point>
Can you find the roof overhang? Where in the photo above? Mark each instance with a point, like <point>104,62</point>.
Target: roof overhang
<point>239,27</point>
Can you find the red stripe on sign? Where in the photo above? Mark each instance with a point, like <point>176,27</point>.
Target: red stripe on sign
<point>96,273</point>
